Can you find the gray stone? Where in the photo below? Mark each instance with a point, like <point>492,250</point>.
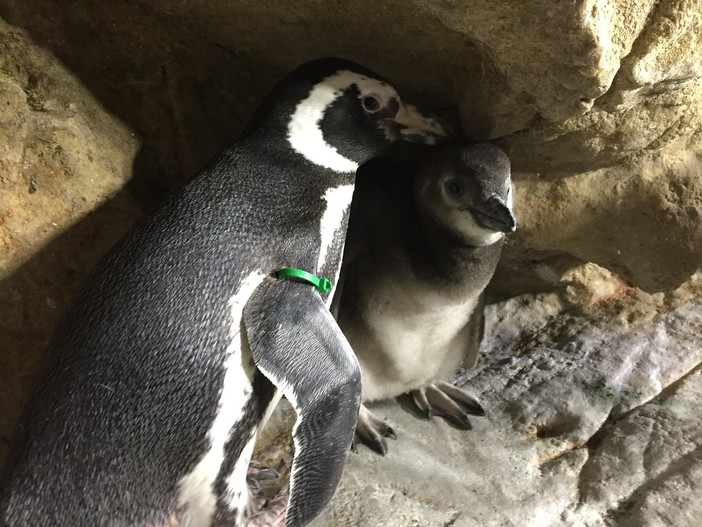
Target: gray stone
<point>592,419</point>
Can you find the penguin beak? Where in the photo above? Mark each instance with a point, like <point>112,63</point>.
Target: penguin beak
<point>412,125</point>
<point>494,214</point>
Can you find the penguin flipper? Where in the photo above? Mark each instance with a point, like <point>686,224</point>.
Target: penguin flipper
<point>298,346</point>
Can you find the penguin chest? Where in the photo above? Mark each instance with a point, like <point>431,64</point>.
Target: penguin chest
<point>411,340</point>
<point>199,496</point>
<point>332,229</point>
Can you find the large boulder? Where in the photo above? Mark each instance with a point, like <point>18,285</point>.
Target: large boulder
<point>63,164</point>
<point>598,103</point>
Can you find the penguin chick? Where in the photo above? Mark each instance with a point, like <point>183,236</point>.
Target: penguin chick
<point>425,235</point>
<point>168,363</point>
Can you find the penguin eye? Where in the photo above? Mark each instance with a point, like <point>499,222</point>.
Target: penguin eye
<point>454,188</point>
<point>370,103</point>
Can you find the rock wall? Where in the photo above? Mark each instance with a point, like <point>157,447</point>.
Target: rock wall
<point>63,164</point>
<point>597,102</point>
<point>105,106</point>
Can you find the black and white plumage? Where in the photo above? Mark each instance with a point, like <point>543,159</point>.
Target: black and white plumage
<point>171,358</point>
<point>425,235</point>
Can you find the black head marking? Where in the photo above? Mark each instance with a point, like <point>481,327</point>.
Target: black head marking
<point>472,173</point>
<point>490,167</point>
<point>279,104</point>
<point>336,114</point>
<point>352,130</point>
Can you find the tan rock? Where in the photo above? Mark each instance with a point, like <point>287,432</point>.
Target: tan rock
<point>642,219</point>
<point>63,162</point>
<point>665,55</point>
<point>582,94</point>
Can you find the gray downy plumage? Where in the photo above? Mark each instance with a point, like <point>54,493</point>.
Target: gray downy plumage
<point>426,231</point>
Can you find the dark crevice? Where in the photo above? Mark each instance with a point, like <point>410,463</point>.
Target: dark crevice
<point>670,390</point>
<point>680,465</point>
<point>596,440</point>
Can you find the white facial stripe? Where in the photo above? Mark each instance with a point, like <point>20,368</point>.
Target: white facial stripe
<point>196,489</point>
<point>304,132</point>
<point>338,200</point>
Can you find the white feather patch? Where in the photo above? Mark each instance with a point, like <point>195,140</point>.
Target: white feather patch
<point>304,132</point>
<point>510,197</point>
<point>338,201</point>
<point>237,487</point>
<point>196,489</point>
<point>411,335</point>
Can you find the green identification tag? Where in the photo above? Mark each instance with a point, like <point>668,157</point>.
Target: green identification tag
<point>323,285</point>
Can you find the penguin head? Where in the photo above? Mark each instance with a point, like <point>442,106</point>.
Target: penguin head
<point>468,190</point>
<point>338,114</point>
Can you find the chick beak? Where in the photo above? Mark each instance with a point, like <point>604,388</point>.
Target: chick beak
<point>494,214</point>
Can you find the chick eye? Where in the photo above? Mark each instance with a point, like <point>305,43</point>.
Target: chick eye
<point>370,104</point>
<point>454,188</point>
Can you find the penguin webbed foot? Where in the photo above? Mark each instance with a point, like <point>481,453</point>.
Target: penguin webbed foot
<point>448,401</point>
<point>372,432</point>
<point>269,497</point>
<point>259,478</point>
<point>268,512</point>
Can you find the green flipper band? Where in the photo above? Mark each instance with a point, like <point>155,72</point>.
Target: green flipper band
<point>323,285</point>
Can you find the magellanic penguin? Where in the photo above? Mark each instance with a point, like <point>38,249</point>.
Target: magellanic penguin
<point>168,362</point>
<point>425,235</point>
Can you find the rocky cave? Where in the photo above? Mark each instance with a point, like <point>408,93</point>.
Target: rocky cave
<point>591,368</point>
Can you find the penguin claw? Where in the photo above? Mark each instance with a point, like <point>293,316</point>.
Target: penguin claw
<point>420,400</point>
<point>469,404</point>
<point>377,444</point>
<point>269,502</point>
<point>448,401</point>
<point>372,431</point>
<point>257,472</point>
<point>257,476</point>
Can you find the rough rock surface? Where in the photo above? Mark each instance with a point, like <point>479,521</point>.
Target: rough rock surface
<point>63,163</point>
<point>591,388</point>
<point>599,103</point>
<point>592,420</point>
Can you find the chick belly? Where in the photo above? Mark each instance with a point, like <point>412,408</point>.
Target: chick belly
<point>400,355</point>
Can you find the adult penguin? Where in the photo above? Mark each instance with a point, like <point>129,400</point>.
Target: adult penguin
<point>165,367</point>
